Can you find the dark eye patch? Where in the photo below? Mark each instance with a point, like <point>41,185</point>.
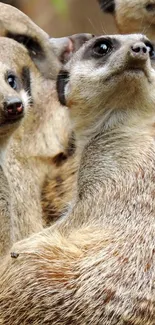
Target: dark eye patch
<point>34,48</point>
<point>151,49</point>
<point>12,80</point>
<point>107,5</point>
<point>150,7</point>
<point>22,82</point>
<point>103,46</point>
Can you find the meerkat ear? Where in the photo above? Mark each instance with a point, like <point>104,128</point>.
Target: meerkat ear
<point>64,47</point>
<point>62,80</point>
<point>107,5</point>
<point>79,39</point>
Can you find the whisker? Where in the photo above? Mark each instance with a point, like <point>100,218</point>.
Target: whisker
<point>104,5</point>
<point>142,20</point>
<point>148,26</point>
<point>92,25</point>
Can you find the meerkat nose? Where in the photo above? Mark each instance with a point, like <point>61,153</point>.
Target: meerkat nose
<point>139,50</point>
<point>14,107</point>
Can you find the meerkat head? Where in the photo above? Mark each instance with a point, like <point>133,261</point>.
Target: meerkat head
<point>16,25</point>
<point>47,53</point>
<point>109,73</point>
<point>132,16</point>
<point>15,86</point>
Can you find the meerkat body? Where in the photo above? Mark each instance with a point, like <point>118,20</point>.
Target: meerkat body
<point>97,264</point>
<point>132,15</point>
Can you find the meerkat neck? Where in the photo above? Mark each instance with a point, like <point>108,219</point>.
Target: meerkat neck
<point>122,149</point>
<point>116,167</point>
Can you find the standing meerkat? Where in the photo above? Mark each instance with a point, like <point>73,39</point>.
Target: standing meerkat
<point>14,102</point>
<point>132,15</point>
<point>44,142</point>
<point>97,265</point>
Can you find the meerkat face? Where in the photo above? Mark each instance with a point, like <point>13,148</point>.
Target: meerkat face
<point>15,88</point>
<point>108,72</point>
<point>132,15</point>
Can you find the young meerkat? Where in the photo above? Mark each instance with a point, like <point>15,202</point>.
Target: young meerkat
<point>44,143</point>
<point>97,265</point>
<point>14,102</point>
<point>132,16</point>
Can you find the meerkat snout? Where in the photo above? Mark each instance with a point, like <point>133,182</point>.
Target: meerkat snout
<point>139,53</point>
<point>13,108</point>
<point>141,50</point>
<point>13,99</point>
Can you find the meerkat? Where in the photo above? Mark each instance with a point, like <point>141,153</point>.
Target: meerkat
<point>14,100</point>
<point>97,265</point>
<point>132,15</point>
<point>45,142</point>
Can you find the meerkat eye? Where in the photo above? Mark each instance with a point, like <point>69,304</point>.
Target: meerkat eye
<point>102,47</point>
<point>150,49</point>
<point>150,7</point>
<point>11,80</point>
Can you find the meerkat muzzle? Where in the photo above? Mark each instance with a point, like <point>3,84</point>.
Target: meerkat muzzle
<point>138,56</point>
<point>139,51</point>
<point>14,108</point>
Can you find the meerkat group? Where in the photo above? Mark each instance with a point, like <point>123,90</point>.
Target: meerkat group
<point>76,144</point>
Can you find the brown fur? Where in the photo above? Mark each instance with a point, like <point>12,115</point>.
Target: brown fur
<point>133,16</point>
<point>97,265</point>
<point>45,133</point>
<point>59,191</point>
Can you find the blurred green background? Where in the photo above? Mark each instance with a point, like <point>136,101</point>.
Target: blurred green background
<point>66,17</point>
